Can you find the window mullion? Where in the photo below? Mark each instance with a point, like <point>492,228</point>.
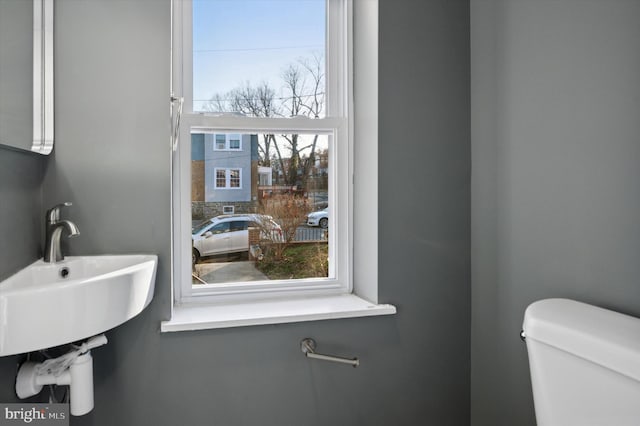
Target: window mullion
<point>224,124</point>
<point>338,16</point>
<point>182,227</point>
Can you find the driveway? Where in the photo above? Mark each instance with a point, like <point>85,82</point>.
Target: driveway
<point>222,272</point>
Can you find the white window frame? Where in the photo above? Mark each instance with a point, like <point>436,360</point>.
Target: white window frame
<point>230,177</point>
<point>351,289</point>
<point>215,178</point>
<point>227,178</point>
<point>215,141</point>
<point>227,142</point>
<point>239,148</point>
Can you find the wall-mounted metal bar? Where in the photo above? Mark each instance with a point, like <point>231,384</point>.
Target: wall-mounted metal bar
<point>308,347</point>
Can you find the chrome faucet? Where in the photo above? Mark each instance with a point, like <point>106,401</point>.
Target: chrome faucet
<point>55,226</point>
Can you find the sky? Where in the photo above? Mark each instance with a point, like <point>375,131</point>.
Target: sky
<point>239,41</point>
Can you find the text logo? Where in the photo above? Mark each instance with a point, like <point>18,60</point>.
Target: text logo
<point>34,414</point>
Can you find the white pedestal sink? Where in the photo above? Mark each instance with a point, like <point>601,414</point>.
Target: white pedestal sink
<point>51,304</point>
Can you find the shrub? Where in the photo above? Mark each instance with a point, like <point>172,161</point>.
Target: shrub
<point>289,211</point>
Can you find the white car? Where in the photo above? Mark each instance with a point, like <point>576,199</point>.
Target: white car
<point>319,218</point>
<point>230,234</point>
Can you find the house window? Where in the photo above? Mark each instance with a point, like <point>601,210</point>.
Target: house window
<point>234,178</point>
<point>221,178</point>
<point>234,144</point>
<point>221,142</point>
<point>227,142</point>
<point>305,151</point>
<point>228,178</point>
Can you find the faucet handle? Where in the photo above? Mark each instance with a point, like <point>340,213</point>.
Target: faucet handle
<point>53,214</point>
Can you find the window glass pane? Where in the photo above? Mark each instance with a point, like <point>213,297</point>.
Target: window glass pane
<point>234,178</point>
<point>234,143</point>
<point>221,141</point>
<point>238,225</point>
<point>220,228</point>
<point>221,178</point>
<point>279,183</point>
<point>262,58</point>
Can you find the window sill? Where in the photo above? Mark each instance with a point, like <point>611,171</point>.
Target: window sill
<point>202,317</point>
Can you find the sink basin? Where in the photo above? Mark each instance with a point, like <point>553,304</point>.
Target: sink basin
<point>51,304</point>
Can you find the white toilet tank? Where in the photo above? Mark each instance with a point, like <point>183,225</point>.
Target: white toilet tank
<point>585,364</point>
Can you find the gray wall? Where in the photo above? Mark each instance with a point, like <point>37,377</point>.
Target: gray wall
<point>21,222</point>
<point>556,201</point>
<point>112,160</point>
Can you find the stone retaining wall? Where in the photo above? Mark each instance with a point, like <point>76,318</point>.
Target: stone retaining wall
<point>201,210</point>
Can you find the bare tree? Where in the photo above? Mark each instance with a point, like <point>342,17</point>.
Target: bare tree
<point>251,101</point>
<point>304,81</point>
<point>303,95</point>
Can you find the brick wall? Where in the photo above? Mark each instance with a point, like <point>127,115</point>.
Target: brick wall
<point>197,180</point>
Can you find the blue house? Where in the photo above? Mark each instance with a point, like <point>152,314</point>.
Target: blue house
<point>224,175</point>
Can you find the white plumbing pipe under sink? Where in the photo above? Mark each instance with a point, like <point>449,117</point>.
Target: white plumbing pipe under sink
<point>74,369</point>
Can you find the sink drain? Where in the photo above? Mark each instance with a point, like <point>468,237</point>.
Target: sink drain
<point>64,272</point>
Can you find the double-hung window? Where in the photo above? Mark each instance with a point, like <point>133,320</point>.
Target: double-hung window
<point>274,81</point>
<point>227,142</point>
<point>228,178</point>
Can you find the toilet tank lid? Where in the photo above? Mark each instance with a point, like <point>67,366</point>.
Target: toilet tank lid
<point>599,335</point>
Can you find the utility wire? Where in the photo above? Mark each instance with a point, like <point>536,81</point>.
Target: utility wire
<point>248,49</point>
<point>283,98</point>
